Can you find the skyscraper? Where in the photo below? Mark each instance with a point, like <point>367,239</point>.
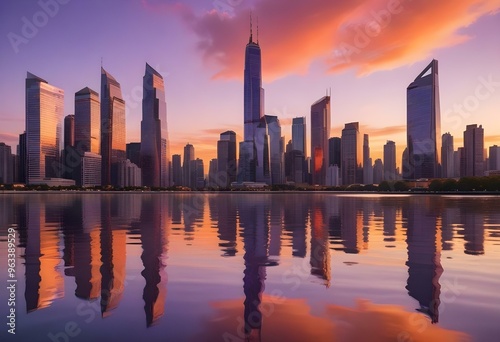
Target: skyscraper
<point>367,161</point>
<point>6,166</point>
<point>299,135</point>
<point>69,159</point>
<point>186,165</point>
<point>253,109</point>
<point>352,149</point>
<point>154,134</point>
<point>23,159</point>
<point>177,170</point>
<point>424,123</point>
<point>474,150</point>
<point>447,159</point>
<point>44,112</point>
<point>87,121</point>
<point>378,171</point>
<point>226,160</point>
<point>494,157</point>
<point>390,161</point>
<point>134,152</point>
<point>334,151</point>
<point>270,151</point>
<point>69,130</point>
<point>112,129</point>
<point>320,133</point>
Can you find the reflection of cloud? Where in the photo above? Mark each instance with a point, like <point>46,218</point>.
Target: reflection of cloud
<point>291,320</point>
<point>322,27</point>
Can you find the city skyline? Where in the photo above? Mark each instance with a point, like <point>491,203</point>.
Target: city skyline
<point>288,97</point>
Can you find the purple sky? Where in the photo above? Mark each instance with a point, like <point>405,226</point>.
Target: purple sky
<point>367,52</point>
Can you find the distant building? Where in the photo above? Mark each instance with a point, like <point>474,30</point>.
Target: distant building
<point>44,112</point>
<point>333,175</point>
<point>197,174</point>
<point>299,135</point>
<point>352,149</point>
<point>89,172</point>
<point>113,150</point>
<point>474,150</point>
<point>424,124</point>
<point>447,158</point>
<point>390,161</point>
<point>378,171</point>
<point>320,133</point>
<point>212,174</point>
<point>22,154</point>
<point>186,166</point>
<point>335,151</point>
<point>177,170</point>
<point>494,158</point>
<point>133,152</point>
<point>226,160</point>
<point>87,121</point>
<point>68,150</point>
<point>6,164</point>
<point>128,174</point>
<point>367,161</point>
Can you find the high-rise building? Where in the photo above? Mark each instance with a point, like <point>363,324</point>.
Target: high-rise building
<point>320,133</point>
<point>253,109</point>
<point>352,151</point>
<point>87,121</point>
<point>424,124</point>
<point>69,161</point>
<point>128,174</point>
<point>494,158</point>
<point>334,151</point>
<point>44,112</point>
<point>113,150</point>
<point>367,161</point>
<point>133,150</point>
<point>457,155</point>
<point>270,151</point>
<point>154,133</point>
<point>6,166</point>
<point>378,171</point>
<point>447,159</point>
<point>69,131</point>
<point>390,161</point>
<point>177,170</point>
<point>461,161</point>
<point>88,174</point>
<point>299,135</point>
<point>474,150</point>
<point>197,174</point>
<point>22,158</point>
<point>186,165</point>
<point>212,174</point>
<point>226,160</point>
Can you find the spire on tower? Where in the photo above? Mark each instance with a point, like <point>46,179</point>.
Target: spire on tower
<point>251,30</point>
<point>257,30</point>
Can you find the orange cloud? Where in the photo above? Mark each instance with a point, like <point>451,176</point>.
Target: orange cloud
<point>363,35</point>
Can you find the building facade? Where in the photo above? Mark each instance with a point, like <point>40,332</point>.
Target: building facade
<point>447,159</point>
<point>474,150</point>
<point>352,152</point>
<point>390,161</point>
<point>226,160</point>
<point>320,133</point>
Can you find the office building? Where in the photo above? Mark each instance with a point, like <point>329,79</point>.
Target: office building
<point>424,124</point>
<point>186,165</point>
<point>113,150</point>
<point>378,171</point>
<point>226,160</point>
<point>87,121</point>
<point>390,173</point>
<point>177,170</point>
<point>334,151</point>
<point>494,158</point>
<point>352,150</point>
<point>22,154</point>
<point>129,174</point>
<point>474,150</point>
<point>447,159</point>
<point>44,113</point>
<point>133,152</point>
<point>320,133</point>
<point>154,133</point>
<point>6,164</point>
<point>299,135</point>
<point>367,161</point>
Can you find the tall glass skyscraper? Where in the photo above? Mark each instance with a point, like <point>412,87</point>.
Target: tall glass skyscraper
<point>424,124</point>
<point>113,149</point>
<point>226,160</point>
<point>87,121</point>
<point>44,113</point>
<point>154,133</point>
<point>390,161</point>
<point>253,109</point>
<point>352,154</point>
<point>299,135</point>
<point>320,133</point>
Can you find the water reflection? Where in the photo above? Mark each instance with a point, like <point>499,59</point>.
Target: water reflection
<point>89,238</point>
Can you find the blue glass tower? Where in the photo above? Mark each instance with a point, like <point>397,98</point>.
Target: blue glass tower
<point>424,124</point>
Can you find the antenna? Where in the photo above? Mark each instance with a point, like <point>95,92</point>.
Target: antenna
<point>101,62</point>
<point>251,30</point>
<point>257,30</point>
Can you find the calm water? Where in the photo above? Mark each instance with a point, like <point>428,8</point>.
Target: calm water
<point>274,267</point>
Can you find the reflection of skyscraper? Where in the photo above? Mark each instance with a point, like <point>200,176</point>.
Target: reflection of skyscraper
<point>154,293</point>
<point>44,283</point>
<point>113,148</point>
<point>295,220</point>
<point>473,223</point>
<point>154,134</point>
<point>113,257</point>
<point>352,226</point>
<point>320,133</point>
<point>320,253</point>
<point>424,257</point>
<point>424,124</point>
<point>223,211</point>
<point>44,111</point>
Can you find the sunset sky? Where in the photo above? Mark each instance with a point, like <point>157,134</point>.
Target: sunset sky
<point>367,52</point>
